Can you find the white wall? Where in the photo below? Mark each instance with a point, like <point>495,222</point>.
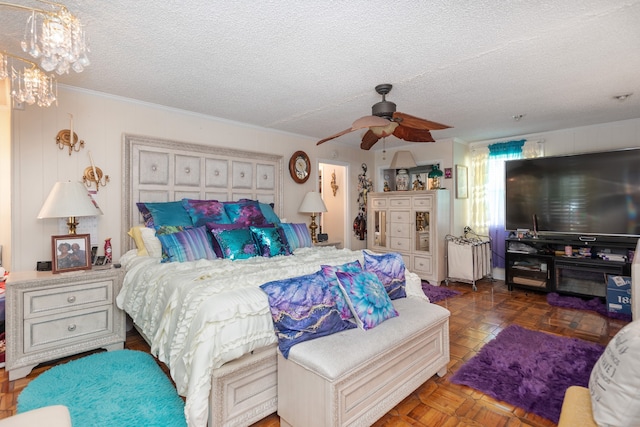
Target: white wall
<point>100,120</point>
<point>5,173</point>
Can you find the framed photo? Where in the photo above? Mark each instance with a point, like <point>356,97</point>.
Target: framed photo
<point>447,173</point>
<point>462,185</point>
<point>69,253</point>
<point>100,260</point>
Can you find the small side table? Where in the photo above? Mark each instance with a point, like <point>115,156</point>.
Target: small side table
<point>49,316</point>
<point>336,244</point>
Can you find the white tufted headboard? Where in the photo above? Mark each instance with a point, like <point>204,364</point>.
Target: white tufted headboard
<point>160,170</point>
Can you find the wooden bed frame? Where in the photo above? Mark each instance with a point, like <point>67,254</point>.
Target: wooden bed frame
<point>243,391</point>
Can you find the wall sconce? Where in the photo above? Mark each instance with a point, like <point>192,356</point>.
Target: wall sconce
<point>68,138</point>
<point>334,185</point>
<point>93,174</point>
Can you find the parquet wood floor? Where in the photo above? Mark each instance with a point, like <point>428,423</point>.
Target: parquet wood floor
<point>476,318</point>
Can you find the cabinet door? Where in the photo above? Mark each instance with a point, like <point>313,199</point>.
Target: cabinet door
<point>378,223</point>
<point>422,232</point>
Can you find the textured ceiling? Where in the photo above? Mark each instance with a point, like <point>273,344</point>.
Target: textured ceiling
<point>310,67</point>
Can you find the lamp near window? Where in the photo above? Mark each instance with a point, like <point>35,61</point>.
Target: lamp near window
<point>402,160</point>
<point>312,204</point>
<point>435,176</point>
<point>69,200</point>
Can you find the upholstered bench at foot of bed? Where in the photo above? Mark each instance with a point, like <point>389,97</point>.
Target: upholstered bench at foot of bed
<point>354,377</point>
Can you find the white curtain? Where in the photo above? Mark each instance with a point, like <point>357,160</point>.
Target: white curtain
<point>488,192</point>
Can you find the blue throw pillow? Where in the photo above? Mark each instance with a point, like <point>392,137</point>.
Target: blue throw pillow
<point>164,213</point>
<point>297,235</point>
<point>188,245</point>
<point>235,243</point>
<point>390,270</point>
<point>329,272</point>
<point>367,298</point>
<point>271,241</point>
<point>303,308</point>
<point>269,214</point>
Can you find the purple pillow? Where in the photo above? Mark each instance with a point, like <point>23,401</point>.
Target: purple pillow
<point>303,309</point>
<point>204,211</point>
<point>245,212</point>
<point>329,272</point>
<point>390,270</point>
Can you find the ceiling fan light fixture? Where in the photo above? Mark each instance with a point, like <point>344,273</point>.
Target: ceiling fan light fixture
<point>384,131</point>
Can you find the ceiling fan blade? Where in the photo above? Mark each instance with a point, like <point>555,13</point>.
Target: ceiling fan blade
<point>335,136</point>
<point>368,140</point>
<point>417,123</point>
<point>361,123</point>
<point>412,134</point>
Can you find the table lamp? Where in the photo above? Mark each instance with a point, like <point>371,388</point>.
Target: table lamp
<point>402,160</point>
<point>434,175</point>
<point>70,200</point>
<point>312,204</point>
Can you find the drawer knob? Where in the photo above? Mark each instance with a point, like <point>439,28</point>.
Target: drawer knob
<point>71,328</point>
<point>71,299</point>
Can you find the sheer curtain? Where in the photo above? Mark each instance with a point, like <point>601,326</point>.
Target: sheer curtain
<point>488,189</point>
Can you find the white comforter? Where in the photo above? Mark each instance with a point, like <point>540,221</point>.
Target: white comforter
<point>199,315</point>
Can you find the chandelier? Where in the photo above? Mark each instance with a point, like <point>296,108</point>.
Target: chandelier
<point>57,40</point>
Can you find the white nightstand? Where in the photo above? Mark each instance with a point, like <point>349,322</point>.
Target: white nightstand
<point>336,244</point>
<point>49,316</point>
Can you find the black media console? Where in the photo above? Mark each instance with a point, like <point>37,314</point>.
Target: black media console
<point>567,264</point>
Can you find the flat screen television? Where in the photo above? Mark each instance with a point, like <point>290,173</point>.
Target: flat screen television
<point>585,194</point>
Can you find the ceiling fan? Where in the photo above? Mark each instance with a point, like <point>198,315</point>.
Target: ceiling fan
<point>386,121</point>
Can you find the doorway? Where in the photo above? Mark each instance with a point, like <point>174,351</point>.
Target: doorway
<point>333,187</point>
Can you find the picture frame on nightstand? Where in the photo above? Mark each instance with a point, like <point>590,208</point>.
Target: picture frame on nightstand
<point>70,252</point>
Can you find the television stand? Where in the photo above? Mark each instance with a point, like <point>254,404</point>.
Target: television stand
<point>544,264</point>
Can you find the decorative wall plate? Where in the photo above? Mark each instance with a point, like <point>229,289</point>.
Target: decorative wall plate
<point>300,167</point>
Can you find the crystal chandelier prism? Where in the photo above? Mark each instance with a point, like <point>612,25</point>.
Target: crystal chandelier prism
<point>56,39</point>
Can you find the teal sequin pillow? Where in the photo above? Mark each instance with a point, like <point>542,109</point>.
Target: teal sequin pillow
<point>235,244</point>
<point>367,298</point>
<point>271,241</point>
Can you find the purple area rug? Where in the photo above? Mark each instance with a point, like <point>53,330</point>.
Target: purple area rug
<point>594,304</point>
<point>438,293</point>
<point>530,369</point>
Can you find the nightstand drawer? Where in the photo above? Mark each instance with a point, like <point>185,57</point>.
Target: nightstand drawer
<point>45,301</point>
<point>65,329</point>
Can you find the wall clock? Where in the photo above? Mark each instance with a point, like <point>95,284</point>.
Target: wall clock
<point>300,167</point>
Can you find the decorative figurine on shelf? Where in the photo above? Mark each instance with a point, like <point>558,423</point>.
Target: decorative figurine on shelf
<point>364,186</point>
<point>386,187</point>
<point>107,251</point>
<point>418,184</point>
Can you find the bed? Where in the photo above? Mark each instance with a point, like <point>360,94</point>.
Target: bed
<point>208,319</point>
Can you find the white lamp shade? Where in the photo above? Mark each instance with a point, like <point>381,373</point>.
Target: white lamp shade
<point>69,199</point>
<point>312,203</point>
<point>403,160</point>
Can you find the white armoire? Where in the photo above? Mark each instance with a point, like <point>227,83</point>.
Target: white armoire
<point>414,224</point>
